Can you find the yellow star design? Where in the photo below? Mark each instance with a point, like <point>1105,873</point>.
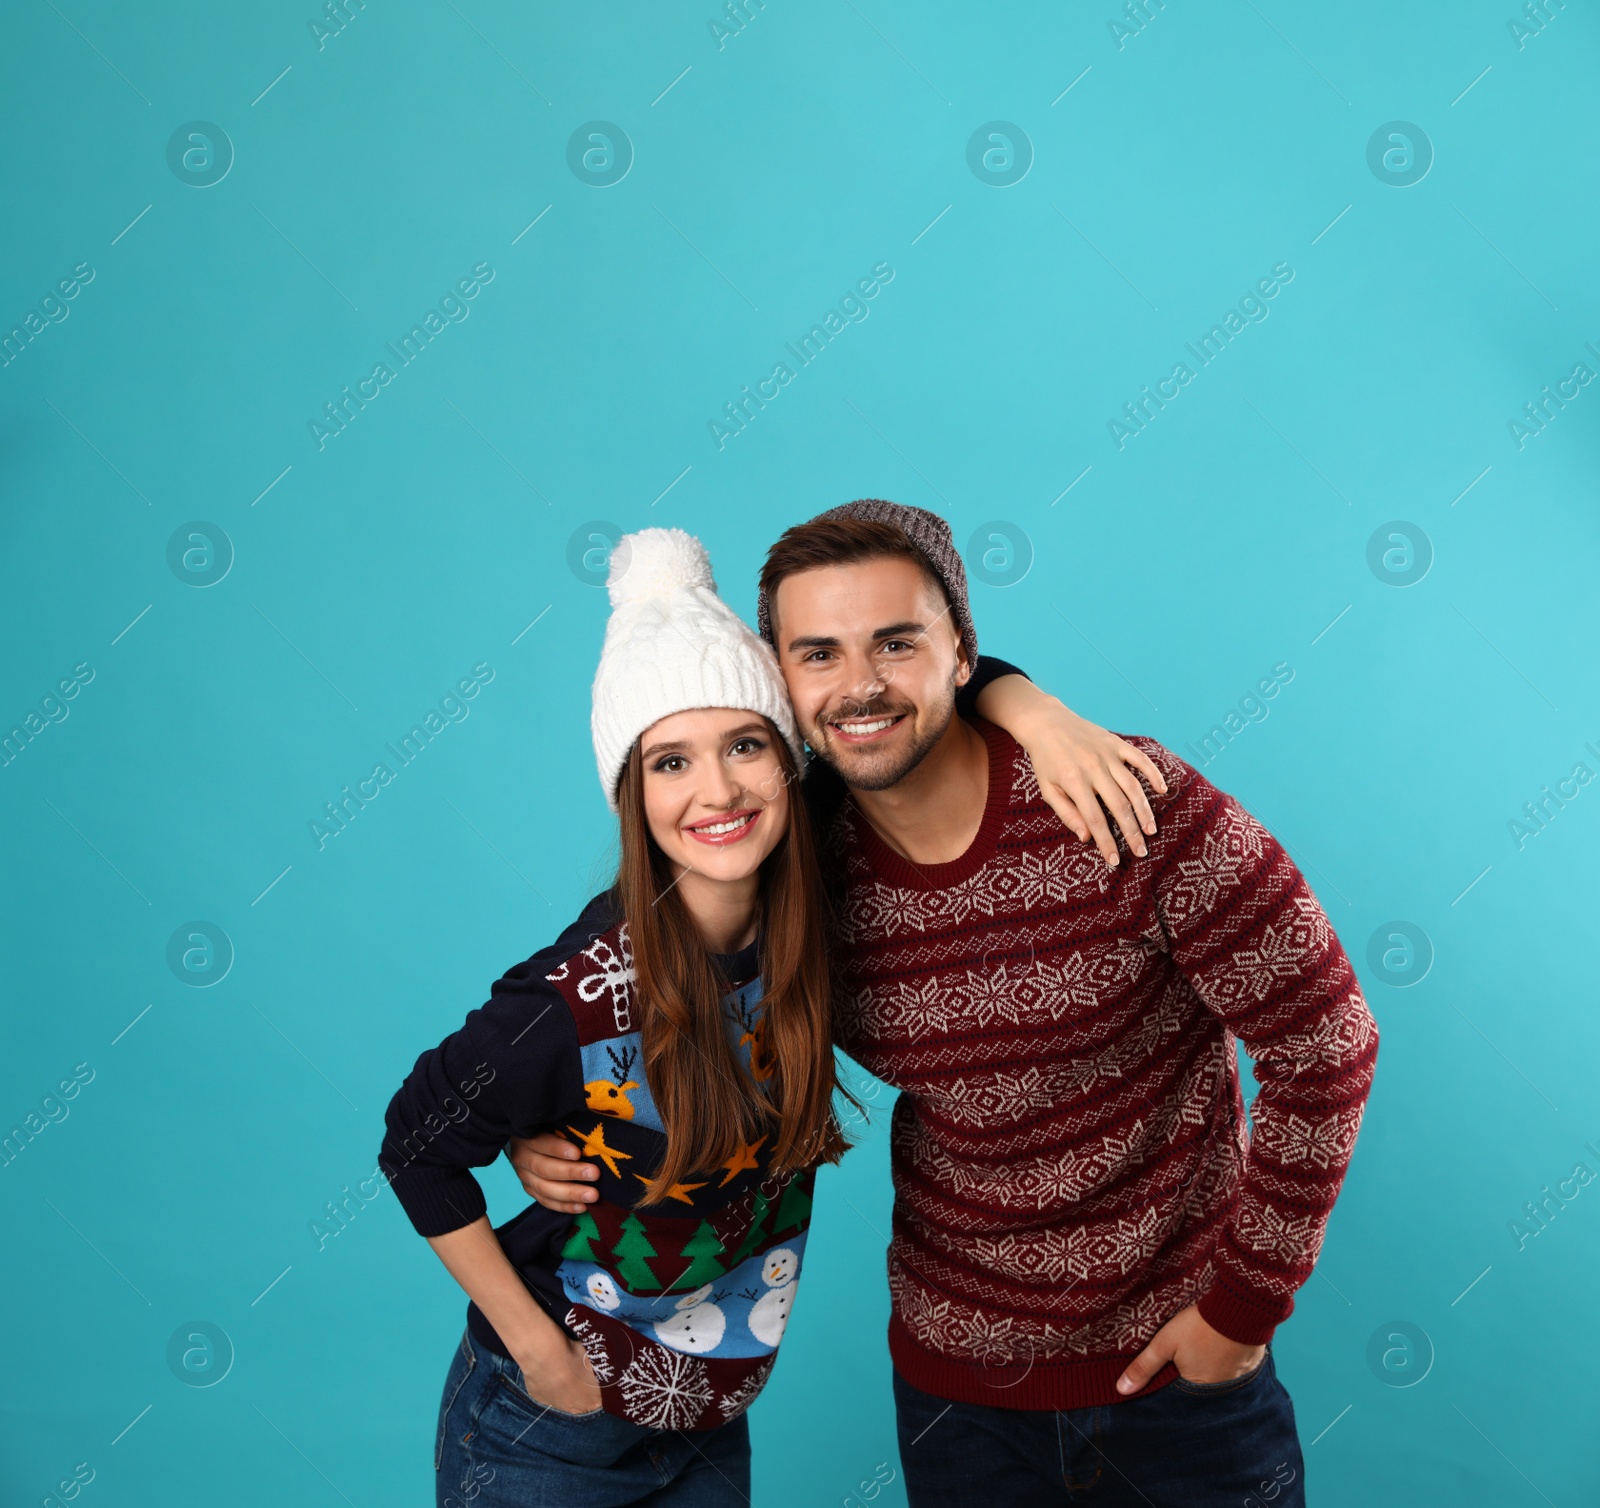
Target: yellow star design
<point>678,1191</point>
<point>594,1145</point>
<point>744,1158</point>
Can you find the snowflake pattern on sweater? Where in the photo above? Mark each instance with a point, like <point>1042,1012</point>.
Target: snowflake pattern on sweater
<point>1072,1159</point>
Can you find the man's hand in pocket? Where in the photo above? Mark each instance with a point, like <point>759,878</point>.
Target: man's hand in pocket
<point>1200,1353</point>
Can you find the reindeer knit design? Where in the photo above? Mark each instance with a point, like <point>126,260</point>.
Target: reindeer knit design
<point>681,1304</point>
<point>1071,1156</point>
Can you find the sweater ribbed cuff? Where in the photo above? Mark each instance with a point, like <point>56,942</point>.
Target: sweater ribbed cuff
<point>1248,1319</point>
<point>438,1200</point>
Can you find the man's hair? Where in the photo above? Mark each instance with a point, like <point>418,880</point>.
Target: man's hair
<point>836,542</point>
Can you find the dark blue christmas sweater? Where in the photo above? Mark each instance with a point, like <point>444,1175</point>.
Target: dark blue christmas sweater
<point>680,1304</point>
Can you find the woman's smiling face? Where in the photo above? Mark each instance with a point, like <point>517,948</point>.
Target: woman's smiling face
<point>716,794</point>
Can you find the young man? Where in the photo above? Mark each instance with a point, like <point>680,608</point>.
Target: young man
<point>1091,1246</point>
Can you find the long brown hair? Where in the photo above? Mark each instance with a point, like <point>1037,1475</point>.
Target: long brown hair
<point>710,1107</point>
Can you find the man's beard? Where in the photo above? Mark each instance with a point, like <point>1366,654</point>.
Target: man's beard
<point>865,768</point>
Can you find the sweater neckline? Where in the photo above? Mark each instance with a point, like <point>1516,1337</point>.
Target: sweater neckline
<point>903,873</point>
<point>742,966</point>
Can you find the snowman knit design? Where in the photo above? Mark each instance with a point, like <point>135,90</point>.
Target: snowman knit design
<point>681,1304</point>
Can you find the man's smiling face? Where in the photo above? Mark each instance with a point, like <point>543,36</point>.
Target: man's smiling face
<point>872,660</point>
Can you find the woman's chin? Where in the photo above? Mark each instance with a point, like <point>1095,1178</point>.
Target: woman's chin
<point>732,865</point>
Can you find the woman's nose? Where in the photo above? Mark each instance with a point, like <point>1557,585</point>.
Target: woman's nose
<point>722,790</point>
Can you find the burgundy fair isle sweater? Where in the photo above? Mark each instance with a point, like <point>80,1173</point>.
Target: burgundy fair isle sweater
<point>1072,1160</point>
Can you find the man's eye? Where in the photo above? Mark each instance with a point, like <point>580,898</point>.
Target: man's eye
<point>896,646</point>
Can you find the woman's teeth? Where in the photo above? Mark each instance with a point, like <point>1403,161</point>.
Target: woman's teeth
<point>716,829</point>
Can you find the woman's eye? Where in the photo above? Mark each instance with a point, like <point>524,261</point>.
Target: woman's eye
<point>747,746</point>
<point>670,764</point>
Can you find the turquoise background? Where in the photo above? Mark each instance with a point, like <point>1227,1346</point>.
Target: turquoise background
<point>772,167</point>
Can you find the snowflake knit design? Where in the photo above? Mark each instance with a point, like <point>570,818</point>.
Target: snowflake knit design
<point>1328,1043</point>
<point>665,1389</point>
<point>1013,991</point>
<point>1251,974</point>
<point>1047,1180</point>
<point>1225,853</point>
<point>594,1347</point>
<point>731,1405</point>
<point>1009,884</point>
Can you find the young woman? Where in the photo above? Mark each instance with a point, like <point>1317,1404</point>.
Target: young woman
<point>679,1033</point>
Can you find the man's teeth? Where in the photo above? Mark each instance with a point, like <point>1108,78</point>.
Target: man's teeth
<point>718,828</point>
<point>863,728</point>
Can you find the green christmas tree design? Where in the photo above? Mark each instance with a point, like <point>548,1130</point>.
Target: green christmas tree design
<point>579,1245</point>
<point>752,1239</point>
<point>794,1209</point>
<point>702,1248</point>
<point>633,1246</point>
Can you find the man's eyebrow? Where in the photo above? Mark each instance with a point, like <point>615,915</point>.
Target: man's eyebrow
<point>904,630</point>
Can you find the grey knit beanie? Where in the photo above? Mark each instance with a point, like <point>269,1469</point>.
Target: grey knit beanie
<point>930,534</point>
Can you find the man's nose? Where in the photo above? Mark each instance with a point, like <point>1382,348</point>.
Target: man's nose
<point>867,678</point>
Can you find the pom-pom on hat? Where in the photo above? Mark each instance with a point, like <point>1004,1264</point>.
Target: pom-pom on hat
<point>673,645</point>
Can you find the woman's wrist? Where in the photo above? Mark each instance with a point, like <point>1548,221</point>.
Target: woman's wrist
<point>479,1264</point>
<point>1016,704</point>
<point>536,1344</point>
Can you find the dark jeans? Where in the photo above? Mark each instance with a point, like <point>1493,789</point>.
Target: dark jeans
<point>497,1448</point>
<point>1189,1445</point>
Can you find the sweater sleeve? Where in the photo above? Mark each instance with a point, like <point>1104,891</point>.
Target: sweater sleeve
<point>987,669</point>
<point>1256,946</point>
<point>513,1066</point>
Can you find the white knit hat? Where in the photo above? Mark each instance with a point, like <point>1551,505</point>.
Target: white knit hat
<point>673,645</point>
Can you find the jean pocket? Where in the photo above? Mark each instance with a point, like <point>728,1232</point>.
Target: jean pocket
<point>517,1382</point>
<point>461,1368</point>
<point>512,1424</point>
<point>1227,1385</point>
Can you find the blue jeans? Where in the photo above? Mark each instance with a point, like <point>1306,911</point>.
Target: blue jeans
<point>1188,1445</point>
<point>497,1448</point>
